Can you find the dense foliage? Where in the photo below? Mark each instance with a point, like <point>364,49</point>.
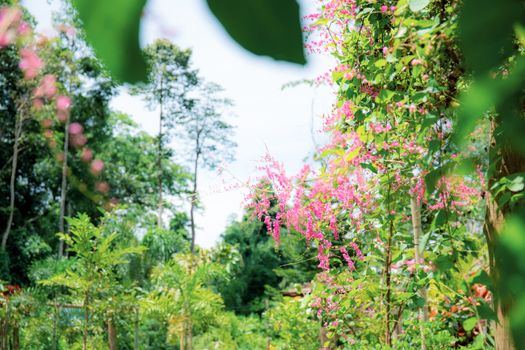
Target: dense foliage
<point>406,231</point>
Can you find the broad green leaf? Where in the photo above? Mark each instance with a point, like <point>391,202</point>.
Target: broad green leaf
<point>470,323</point>
<point>112,29</point>
<point>485,312</point>
<point>431,180</point>
<point>418,5</point>
<point>380,63</point>
<point>516,185</point>
<point>264,27</point>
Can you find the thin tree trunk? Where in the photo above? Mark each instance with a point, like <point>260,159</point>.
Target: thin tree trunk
<point>415,207</point>
<point>505,161</point>
<point>388,295</point>
<point>190,334</point>
<point>494,220</point>
<point>86,322</point>
<point>323,338</point>
<point>12,182</point>
<point>63,188</point>
<point>160,205</point>
<point>16,337</point>
<point>182,336</point>
<point>136,331</point>
<point>112,335</point>
<point>55,323</point>
<point>194,200</point>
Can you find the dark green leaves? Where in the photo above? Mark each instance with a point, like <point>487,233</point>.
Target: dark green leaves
<point>485,94</point>
<point>112,29</point>
<point>486,31</point>
<point>264,27</point>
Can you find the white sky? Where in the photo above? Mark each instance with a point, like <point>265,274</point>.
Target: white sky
<point>267,118</point>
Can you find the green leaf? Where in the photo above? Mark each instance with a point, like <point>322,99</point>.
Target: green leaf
<point>369,167</point>
<point>470,323</point>
<point>418,5</point>
<point>380,63</point>
<point>516,185</point>
<point>112,29</point>
<point>264,27</point>
<point>424,241</point>
<point>431,180</point>
<point>444,263</point>
<point>485,312</point>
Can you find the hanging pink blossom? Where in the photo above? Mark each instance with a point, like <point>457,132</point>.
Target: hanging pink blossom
<point>97,166</point>
<point>9,17</point>
<point>30,63</point>
<point>86,155</point>
<point>63,103</point>
<point>75,128</point>
<point>47,87</point>
<point>78,140</point>
<point>102,187</point>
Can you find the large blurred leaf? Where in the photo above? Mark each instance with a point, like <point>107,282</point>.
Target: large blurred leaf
<point>484,94</point>
<point>264,27</point>
<point>486,31</point>
<point>112,29</point>
<point>511,259</point>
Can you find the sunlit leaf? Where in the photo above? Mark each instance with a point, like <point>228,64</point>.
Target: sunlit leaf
<point>418,5</point>
<point>470,323</point>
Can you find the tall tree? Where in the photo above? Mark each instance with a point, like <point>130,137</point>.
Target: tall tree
<point>170,80</point>
<point>208,136</point>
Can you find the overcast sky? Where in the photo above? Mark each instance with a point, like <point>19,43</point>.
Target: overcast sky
<point>267,117</point>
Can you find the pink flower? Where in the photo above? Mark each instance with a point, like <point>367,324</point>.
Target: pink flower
<point>47,87</point>
<point>30,63</point>
<point>9,16</point>
<point>384,9</point>
<point>63,103</point>
<point>23,28</point>
<point>347,258</point>
<point>97,166</point>
<point>412,108</point>
<point>75,128</point>
<point>62,116</point>
<point>416,61</point>
<point>46,123</point>
<point>102,187</point>
<point>38,104</point>
<point>86,155</point>
<point>78,140</point>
